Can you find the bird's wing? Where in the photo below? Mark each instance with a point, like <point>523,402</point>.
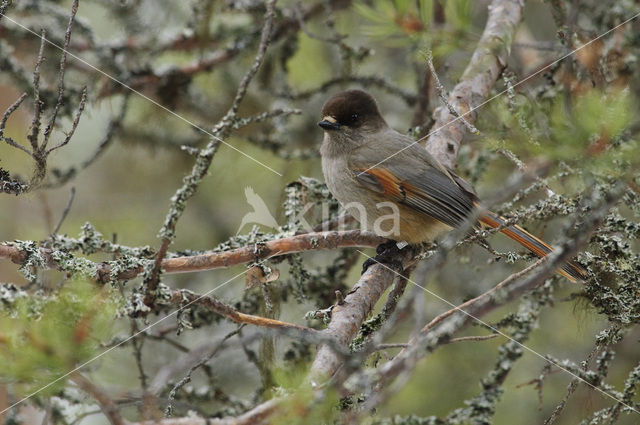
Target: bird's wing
<point>419,186</point>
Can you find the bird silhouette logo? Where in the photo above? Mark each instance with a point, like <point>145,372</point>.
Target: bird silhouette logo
<point>260,214</point>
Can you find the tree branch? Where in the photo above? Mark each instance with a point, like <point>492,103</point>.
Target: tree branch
<point>213,304</point>
<point>440,330</point>
<point>485,66</point>
<point>315,241</point>
<point>346,318</point>
<point>204,159</point>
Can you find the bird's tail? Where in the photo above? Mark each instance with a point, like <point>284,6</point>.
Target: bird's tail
<point>570,269</point>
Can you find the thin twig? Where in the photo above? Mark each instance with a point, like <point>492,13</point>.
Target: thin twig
<point>451,341</point>
<point>464,306</point>
<point>115,124</point>
<point>213,304</point>
<point>571,388</point>
<point>10,110</point>
<point>66,210</point>
<point>74,125</point>
<point>472,338</point>
<point>61,72</point>
<point>187,378</point>
<point>444,96</point>
<point>107,405</point>
<point>37,103</point>
<point>137,341</point>
<point>204,159</point>
<point>265,38</point>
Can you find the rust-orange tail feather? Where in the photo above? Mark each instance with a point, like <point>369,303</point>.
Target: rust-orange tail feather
<point>570,269</point>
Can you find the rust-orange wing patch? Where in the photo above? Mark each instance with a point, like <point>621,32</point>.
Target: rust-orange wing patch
<point>390,186</point>
<point>382,181</point>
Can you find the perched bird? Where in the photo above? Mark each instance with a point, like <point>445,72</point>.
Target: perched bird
<point>394,187</point>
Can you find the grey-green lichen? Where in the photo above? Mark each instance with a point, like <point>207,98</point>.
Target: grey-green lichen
<point>189,187</point>
<point>33,260</point>
<point>90,241</point>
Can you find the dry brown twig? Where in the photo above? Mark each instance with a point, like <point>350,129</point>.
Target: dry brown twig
<point>210,303</point>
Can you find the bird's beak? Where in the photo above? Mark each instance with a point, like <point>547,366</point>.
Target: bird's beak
<point>329,123</point>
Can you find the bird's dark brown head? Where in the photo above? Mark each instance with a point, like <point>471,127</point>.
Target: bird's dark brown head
<point>352,109</point>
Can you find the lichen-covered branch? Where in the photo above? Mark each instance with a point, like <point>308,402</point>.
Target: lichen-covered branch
<point>347,316</point>
<point>204,159</point>
<point>488,60</point>
<point>443,327</point>
<point>186,297</point>
<point>214,259</point>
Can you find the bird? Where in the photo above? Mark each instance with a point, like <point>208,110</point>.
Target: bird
<point>392,185</point>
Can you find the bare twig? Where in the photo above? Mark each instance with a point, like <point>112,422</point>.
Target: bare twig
<point>137,341</point>
<point>74,125</point>
<point>107,405</point>
<point>187,378</point>
<point>464,306</point>
<point>571,389</point>
<point>265,38</point>
<point>213,304</point>
<point>37,103</point>
<point>472,338</point>
<point>115,124</point>
<point>451,341</point>
<point>10,110</point>
<point>61,72</point>
<point>66,210</point>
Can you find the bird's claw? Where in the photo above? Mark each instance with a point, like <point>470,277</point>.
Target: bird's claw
<point>386,254</point>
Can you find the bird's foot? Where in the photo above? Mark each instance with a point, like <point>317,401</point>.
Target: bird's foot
<point>386,254</point>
